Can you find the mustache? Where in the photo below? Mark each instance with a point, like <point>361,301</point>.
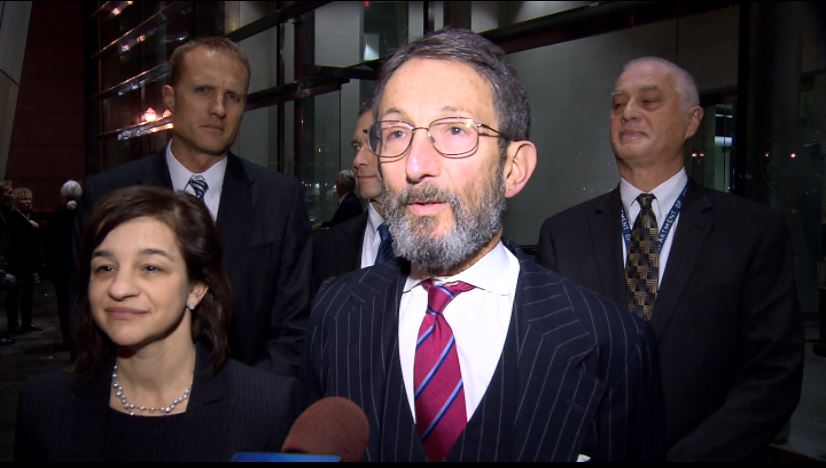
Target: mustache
<point>428,193</point>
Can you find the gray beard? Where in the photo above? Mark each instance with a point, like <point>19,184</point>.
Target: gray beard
<point>474,226</point>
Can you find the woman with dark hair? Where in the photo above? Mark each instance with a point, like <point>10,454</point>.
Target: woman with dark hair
<point>153,380</point>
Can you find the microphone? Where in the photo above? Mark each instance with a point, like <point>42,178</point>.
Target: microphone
<point>331,429</point>
<point>330,426</point>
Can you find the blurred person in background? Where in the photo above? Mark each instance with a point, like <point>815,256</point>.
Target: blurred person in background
<point>23,259</point>
<point>58,247</point>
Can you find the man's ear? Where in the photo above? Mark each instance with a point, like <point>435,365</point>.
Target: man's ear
<point>695,116</point>
<point>519,166</point>
<point>168,97</point>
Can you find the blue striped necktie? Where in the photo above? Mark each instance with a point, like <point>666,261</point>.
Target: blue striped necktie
<point>199,185</point>
<point>385,252</point>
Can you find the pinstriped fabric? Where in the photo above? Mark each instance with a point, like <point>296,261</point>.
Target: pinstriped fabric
<point>571,378</point>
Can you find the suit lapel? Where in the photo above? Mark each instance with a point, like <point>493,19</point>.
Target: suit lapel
<point>606,244</point>
<point>208,410</point>
<point>235,210</point>
<point>379,292</point>
<point>692,229</point>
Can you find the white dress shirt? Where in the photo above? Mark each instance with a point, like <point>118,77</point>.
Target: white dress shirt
<point>214,177</point>
<point>665,195</point>
<point>372,240</point>
<point>479,319</point>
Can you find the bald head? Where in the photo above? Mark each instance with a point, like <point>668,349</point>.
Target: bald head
<point>683,81</point>
<point>654,110</point>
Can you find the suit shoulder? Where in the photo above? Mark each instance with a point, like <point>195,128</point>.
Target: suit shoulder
<point>576,212</point>
<point>47,390</point>
<point>252,380</point>
<point>362,285</point>
<point>341,229</point>
<point>266,175</point>
<point>729,204</point>
<point>122,174</point>
<point>604,319</point>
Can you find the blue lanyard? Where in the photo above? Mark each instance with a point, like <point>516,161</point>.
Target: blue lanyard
<point>669,221</point>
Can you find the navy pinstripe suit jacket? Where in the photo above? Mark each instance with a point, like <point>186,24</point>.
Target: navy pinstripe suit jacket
<point>577,374</point>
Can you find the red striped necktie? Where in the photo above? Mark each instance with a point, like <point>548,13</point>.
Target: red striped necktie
<point>439,397</point>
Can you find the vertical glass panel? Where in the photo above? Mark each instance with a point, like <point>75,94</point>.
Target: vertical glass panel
<point>385,28</point>
<point>261,50</point>
<point>320,157</point>
<point>338,34</point>
<point>240,14</point>
<point>708,153</point>
<point>258,137</point>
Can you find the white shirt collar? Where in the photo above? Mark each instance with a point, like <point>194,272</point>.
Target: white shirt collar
<point>665,194</point>
<point>374,219</point>
<point>485,274</point>
<point>180,175</point>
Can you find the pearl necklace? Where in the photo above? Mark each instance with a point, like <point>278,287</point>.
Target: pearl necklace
<point>131,408</point>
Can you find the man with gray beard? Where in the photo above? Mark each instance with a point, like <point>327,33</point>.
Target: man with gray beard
<point>462,348</point>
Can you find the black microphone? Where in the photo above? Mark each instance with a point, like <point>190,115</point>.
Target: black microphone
<point>331,429</point>
<point>330,426</point>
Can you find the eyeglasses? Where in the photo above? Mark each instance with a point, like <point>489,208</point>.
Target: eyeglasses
<point>452,137</point>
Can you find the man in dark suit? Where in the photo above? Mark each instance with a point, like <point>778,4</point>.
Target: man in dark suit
<point>522,364</point>
<point>357,242</point>
<point>722,298</point>
<point>349,205</point>
<point>260,213</point>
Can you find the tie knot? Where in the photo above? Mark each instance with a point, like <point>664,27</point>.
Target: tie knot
<point>199,185</point>
<point>384,232</point>
<point>440,295</point>
<point>645,199</point>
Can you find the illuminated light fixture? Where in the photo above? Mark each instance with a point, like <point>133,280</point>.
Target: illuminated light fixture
<point>766,155</point>
<point>793,155</point>
<point>116,11</point>
<point>162,127</point>
<point>150,115</point>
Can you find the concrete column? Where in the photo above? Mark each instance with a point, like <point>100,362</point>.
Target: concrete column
<point>14,27</point>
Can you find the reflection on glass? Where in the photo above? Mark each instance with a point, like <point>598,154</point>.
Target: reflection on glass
<point>385,28</point>
<point>321,155</point>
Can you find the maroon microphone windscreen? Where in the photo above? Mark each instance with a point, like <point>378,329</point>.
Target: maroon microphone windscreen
<point>330,426</point>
